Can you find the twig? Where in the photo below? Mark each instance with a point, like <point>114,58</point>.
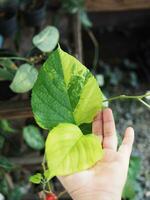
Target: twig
<point>9,181</point>
<point>143,102</point>
<point>126,97</point>
<point>96,48</point>
<point>27,160</point>
<point>15,109</point>
<point>15,58</point>
<point>77,31</point>
<point>137,98</point>
<point>62,194</point>
<point>31,60</point>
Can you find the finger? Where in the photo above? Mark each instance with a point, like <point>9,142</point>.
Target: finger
<point>109,130</point>
<point>127,143</point>
<point>97,128</point>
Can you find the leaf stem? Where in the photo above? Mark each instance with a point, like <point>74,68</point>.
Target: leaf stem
<point>138,98</point>
<point>96,48</point>
<point>126,97</point>
<point>15,58</point>
<point>44,169</point>
<point>143,102</point>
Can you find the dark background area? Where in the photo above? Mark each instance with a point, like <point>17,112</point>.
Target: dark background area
<point>123,62</point>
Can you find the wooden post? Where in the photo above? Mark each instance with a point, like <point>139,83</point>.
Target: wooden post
<point>116,5</point>
<point>15,110</point>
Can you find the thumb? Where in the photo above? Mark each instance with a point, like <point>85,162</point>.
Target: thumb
<point>127,143</point>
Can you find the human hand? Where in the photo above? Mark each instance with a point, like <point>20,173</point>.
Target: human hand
<point>105,180</point>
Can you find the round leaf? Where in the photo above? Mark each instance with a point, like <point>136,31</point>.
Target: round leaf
<point>24,78</point>
<point>47,39</point>
<point>33,137</point>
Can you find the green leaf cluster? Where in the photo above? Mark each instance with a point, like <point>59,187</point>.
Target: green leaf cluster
<point>65,96</point>
<point>24,76</point>
<point>132,187</point>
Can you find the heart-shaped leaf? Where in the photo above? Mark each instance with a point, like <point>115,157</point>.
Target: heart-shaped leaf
<point>33,137</point>
<point>24,78</point>
<point>69,151</point>
<point>65,91</point>
<point>47,39</point>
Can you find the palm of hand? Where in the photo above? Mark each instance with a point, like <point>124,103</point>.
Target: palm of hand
<point>106,179</point>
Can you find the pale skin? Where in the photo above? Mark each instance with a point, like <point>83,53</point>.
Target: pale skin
<point>105,180</point>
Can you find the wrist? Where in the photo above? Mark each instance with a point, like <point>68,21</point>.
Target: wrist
<point>109,196</point>
<point>96,196</point>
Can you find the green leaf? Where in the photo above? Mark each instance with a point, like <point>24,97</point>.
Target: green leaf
<point>73,6</point>
<point>65,91</point>
<point>85,19</point>
<point>24,78</point>
<point>2,140</point>
<point>8,69</point>
<point>8,64</point>
<point>5,126</point>
<point>4,188</point>
<point>129,189</point>
<point>47,39</point>
<point>5,164</point>
<point>66,94</point>
<point>36,179</point>
<point>5,74</point>
<point>134,167</point>
<point>131,186</point>
<point>86,128</point>
<point>69,151</point>
<point>33,138</point>
<point>17,193</point>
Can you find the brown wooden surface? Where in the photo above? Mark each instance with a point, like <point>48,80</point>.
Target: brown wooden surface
<point>15,110</point>
<point>117,5</point>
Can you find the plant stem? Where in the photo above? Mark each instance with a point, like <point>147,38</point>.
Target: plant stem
<point>138,98</point>
<point>15,58</point>
<point>143,102</point>
<point>43,163</point>
<point>44,169</point>
<point>126,97</point>
<point>96,47</point>
<point>61,194</point>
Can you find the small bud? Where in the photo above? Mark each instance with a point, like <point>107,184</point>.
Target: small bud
<point>147,95</point>
<point>100,79</point>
